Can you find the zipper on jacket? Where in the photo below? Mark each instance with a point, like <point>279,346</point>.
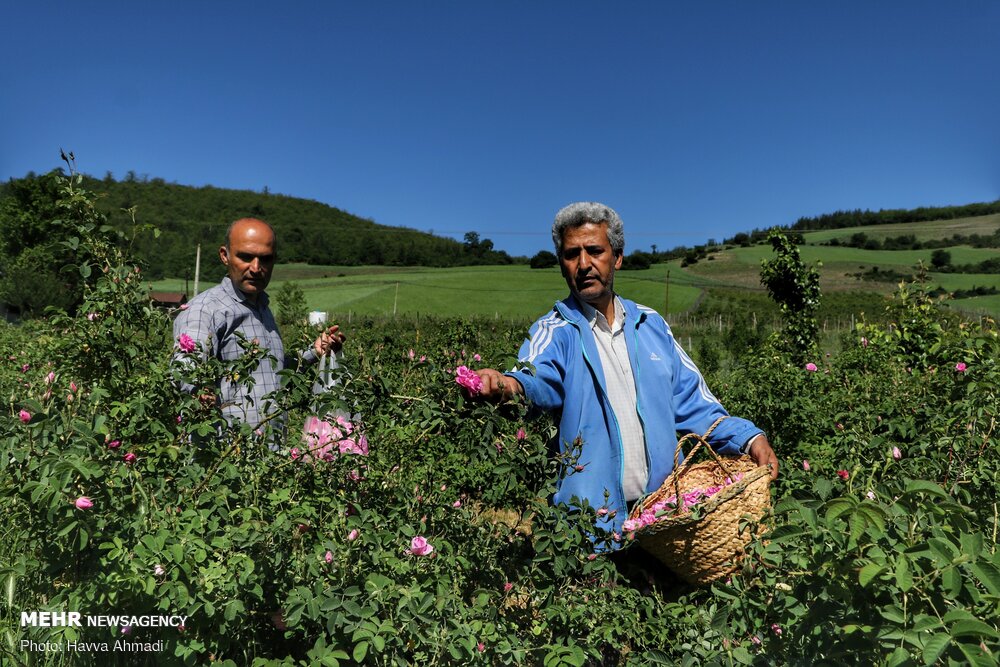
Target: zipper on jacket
<point>621,450</point>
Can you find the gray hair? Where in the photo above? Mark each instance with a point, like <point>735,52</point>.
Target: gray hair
<point>589,212</point>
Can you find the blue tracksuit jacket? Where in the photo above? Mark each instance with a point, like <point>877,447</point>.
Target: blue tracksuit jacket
<point>562,374</point>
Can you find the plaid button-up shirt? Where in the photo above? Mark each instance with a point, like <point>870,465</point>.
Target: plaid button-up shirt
<point>212,319</point>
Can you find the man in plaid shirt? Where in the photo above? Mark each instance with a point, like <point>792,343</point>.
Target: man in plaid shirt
<point>240,305</point>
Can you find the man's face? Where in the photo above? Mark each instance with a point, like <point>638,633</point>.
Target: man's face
<point>250,257</point>
<point>588,263</point>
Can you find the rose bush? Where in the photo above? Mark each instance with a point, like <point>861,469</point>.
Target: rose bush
<point>121,495</point>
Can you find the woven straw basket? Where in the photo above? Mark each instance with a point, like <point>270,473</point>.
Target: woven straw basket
<point>706,545</point>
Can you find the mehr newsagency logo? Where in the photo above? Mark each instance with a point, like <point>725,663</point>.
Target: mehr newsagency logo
<point>124,624</point>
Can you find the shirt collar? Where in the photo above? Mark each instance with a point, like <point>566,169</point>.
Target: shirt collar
<point>238,295</point>
<point>597,319</point>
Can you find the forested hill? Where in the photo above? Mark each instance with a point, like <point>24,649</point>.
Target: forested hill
<point>859,218</point>
<point>308,231</point>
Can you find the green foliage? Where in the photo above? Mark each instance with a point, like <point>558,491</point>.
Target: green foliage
<point>795,288</point>
<point>882,552</point>
<point>308,231</point>
<point>544,259</point>
<point>292,313</point>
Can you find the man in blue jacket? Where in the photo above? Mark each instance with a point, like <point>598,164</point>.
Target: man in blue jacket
<point>611,372</point>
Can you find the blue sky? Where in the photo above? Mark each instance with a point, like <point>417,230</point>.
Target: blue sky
<point>694,120</point>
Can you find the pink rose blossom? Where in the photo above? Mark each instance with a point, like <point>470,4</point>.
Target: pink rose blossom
<point>114,444</point>
<point>960,367</point>
<point>864,342</point>
<point>295,454</point>
<point>480,647</point>
<point>185,343</point>
<point>50,378</point>
<point>521,435</point>
<point>423,358</point>
<point>468,379</point>
<point>158,570</point>
<point>776,629</point>
<point>805,464</point>
<point>412,354</point>
<point>507,586</point>
<point>178,419</point>
<point>755,640</point>
<point>24,368</point>
<point>84,503</point>
<point>843,474</point>
<point>457,504</point>
<point>328,557</point>
<point>24,416</point>
<point>353,535</point>
<point>602,512</point>
<point>811,367</point>
<point>72,386</point>
<point>476,357</point>
<point>419,546</point>
<point>870,495</point>
<point>129,458</point>
<point>896,454</point>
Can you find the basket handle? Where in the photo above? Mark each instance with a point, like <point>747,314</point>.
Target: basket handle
<point>701,440</point>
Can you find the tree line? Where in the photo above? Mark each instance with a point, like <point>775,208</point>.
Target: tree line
<point>861,218</point>
<point>186,216</point>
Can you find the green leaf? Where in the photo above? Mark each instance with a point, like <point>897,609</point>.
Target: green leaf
<point>360,651</point>
<point>786,532</point>
<point>892,613</point>
<point>934,647</point>
<point>923,486</point>
<point>988,575</point>
<point>839,506</point>
<point>951,580</point>
<point>943,549</point>
<point>972,545</point>
<point>958,614</point>
<point>975,628</point>
<point>899,658</point>
<point>976,656</point>
<point>869,572</point>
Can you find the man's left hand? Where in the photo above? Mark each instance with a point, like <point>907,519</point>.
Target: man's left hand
<point>330,340</point>
<point>763,455</point>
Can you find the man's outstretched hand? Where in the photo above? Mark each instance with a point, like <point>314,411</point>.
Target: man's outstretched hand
<point>330,340</point>
<point>497,386</point>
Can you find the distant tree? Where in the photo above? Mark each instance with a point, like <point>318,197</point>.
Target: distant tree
<point>544,259</point>
<point>638,260</point>
<point>940,259</point>
<point>795,288</point>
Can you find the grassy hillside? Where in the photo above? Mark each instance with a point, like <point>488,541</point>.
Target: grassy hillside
<point>521,292</point>
<point>923,231</point>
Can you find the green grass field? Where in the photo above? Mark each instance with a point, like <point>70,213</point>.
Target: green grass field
<point>495,291</point>
<point>934,229</point>
<point>525,293</point>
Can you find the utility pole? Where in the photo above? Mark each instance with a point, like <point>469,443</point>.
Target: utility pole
<point>197,268</point>
<point>666,295</point>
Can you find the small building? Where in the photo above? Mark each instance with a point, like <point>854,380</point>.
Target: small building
<point>168,300</point>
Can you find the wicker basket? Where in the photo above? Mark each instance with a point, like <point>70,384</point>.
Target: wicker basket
<point>707,544</point>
